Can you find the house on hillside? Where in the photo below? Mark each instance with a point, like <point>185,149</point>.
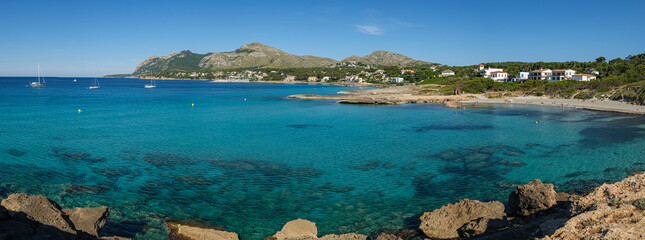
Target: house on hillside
<point>395,80</point>
<point>485,72</point>
<point>583,77</point>
<point>561,74</point>
<point>593,71</point>
<point>324,79</point>
<point>290,78</point>
<point>446,73</point>
<point>542,74</point>
<point>498,76</point>
<point>312,79</point>
<point>404,71</point>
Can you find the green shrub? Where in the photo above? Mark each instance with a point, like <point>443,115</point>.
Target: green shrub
<point>640,203</point>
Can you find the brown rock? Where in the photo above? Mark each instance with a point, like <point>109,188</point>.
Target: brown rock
<point>297,229</point>
<point>607,213</point>
<point>39,209</point>
<point>387,236</point>
<point>482,225</point>
<point>531,198</point>
<point>88,220</point>
<point>181,231</point>
<point>346,236</point>
<point>444,222</point>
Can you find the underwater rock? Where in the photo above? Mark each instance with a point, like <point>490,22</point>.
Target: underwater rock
<point>16,152</point>
<point>346,236</point>
<point>308,125</point>
<point>444,222</point>
<point>369,165</point>
<point>196,180</point>
<point>164,159</point>
<point>85,189</point>
<point>423,185</point>
<point>334,188</point>
<point>88,220</point>
<point>266,168</point>
<point>576,174</point>
<point>112,172</point>
<point>297,229</point>
<point>184,231</point>
<point>451,128</point>
<point>387,236</point>
<point>531,198</point>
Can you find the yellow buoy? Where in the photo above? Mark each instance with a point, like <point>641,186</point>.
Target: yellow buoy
<point>193,104</point>
<point>79,111</point>
<point>245,99</point>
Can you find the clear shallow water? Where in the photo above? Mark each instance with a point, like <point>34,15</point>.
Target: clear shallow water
<point>250,166</point>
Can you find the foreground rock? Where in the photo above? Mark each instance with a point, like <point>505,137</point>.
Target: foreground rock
<point>611,211</point>
<point>36,217</point>
<point>181,231</point>
<point>532,197</point>
<point>297,229</point>
<point>445,222</point>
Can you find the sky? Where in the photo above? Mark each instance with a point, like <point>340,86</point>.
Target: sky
<point>99,37</point>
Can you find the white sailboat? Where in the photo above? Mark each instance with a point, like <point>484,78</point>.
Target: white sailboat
<point>151,84</point>
<point>39,83</point>
<point>74,79</point>
<point>95,85</point>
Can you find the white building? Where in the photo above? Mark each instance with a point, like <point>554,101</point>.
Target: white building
<point>498,76</point>
<point>522,76</point>
<point>395,80</point>
<point>583,77</point>
<point>594,72</point>
<point>561,74</point>
<point>290,78</point>
<point>542,74</point>
<point>485,72</point>
<point>446,73</point>
<point>324,79</point>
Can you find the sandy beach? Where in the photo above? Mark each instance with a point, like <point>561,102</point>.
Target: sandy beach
<point>597,105</point>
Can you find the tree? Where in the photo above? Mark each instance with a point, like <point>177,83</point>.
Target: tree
<point>601,60</point>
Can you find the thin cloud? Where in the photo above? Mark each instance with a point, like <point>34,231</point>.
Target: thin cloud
<point>370,29</point>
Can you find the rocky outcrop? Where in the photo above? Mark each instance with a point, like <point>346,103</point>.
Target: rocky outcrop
<point>39,209</point>
<point>184,231</point>
<point>532,197</point>
<point>36,217</point>
<point>88,220</point>
<point>297,229</point>
<point>445,222</point>
<point>387,236</point>
<point>609,212</point>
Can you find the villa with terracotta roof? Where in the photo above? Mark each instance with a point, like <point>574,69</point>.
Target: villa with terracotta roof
<point>486,72</point>
<point>446,73</point>
<point>498,76</point>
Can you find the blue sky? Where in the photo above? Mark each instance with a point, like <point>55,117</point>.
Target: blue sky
<point>91,38</point>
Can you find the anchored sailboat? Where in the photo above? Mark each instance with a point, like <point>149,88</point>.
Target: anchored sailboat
<point>95,85</point>
<point>39,83</point>
<point>151,85</point>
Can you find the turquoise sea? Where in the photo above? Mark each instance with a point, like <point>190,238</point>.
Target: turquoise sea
<point>248,159</point>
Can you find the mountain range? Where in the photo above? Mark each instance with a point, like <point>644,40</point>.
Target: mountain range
<point>262,56</point>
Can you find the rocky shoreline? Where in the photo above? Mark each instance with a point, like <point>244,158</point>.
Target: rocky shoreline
<point>533,211</point>
<point>390,96</point>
